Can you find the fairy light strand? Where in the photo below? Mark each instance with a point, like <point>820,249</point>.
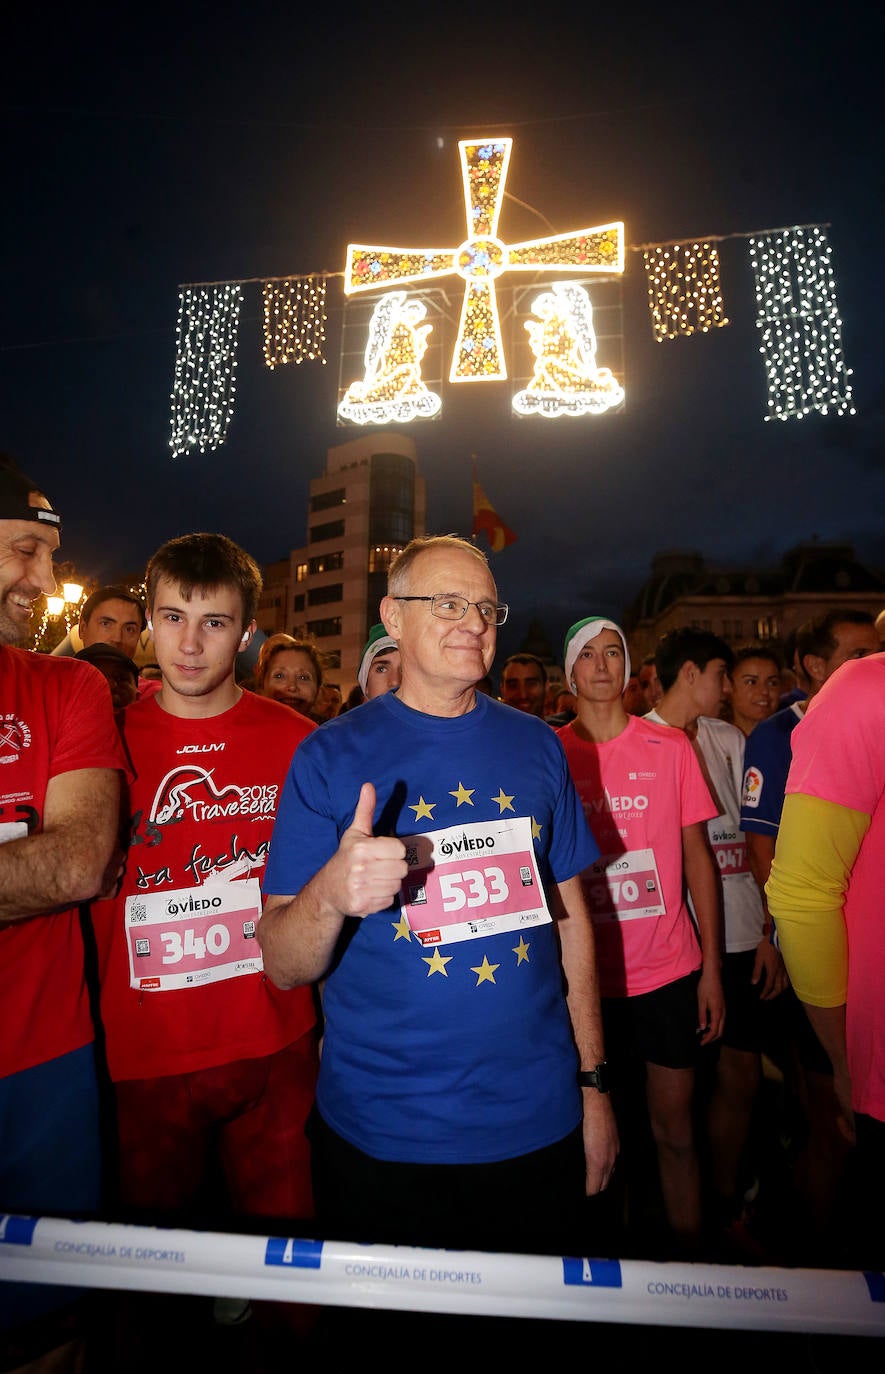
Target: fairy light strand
<point>204,384</point>
<point>294,320</point>
<point>684,289</point>
<point>799,324</point>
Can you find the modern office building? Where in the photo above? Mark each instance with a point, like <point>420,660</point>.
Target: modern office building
<point>362,511</point>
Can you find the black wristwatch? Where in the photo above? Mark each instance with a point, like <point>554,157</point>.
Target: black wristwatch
<point>595,1078</point>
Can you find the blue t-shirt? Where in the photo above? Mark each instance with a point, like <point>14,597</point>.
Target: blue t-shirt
<point>767,758</point>
<point>456,1051</point>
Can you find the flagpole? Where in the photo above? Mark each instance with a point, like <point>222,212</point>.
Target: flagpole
<point>473,537</point>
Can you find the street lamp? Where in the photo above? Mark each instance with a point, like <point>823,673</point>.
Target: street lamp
<point>63,608</point>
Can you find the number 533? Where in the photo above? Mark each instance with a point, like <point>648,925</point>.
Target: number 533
<point>483,886</point>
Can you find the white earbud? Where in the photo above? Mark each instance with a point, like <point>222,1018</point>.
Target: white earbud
<point>150,626</point>
<point>245,639</point>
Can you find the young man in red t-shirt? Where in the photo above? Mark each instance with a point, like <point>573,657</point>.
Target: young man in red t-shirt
<point>213,1066</point>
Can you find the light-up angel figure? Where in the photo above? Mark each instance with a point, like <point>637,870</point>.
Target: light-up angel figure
<point>565,380</point>
<point>393,388</point>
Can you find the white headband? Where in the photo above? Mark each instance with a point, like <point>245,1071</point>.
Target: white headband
<point>370,653</point>
<point>586,630</point>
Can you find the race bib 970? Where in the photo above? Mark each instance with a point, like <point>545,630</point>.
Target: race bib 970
<point>623,887</point>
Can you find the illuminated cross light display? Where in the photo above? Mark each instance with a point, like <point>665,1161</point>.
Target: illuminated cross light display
<point>482,258</point>
<point>798,319</point>
<point>684,290</point>
<point>204,385</point>
<point>294,320</point>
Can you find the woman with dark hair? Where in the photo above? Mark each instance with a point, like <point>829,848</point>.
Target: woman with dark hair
<point>289,670</point>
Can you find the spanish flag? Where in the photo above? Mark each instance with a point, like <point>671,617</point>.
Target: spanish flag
<point>487,521</point>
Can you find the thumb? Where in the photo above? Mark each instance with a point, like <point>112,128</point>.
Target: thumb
<point>365,810</point>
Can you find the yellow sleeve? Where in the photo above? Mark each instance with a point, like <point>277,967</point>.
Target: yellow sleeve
<point>817,844</point>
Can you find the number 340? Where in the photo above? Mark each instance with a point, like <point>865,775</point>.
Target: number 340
<point>216,941</point>
<point>483,886</point>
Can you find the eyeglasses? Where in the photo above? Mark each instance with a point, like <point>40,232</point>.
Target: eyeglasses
<point>455,607</point>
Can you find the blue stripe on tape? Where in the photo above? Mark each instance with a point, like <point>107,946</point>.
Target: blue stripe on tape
<point>592,1273</point>
<point>876,1284</point>
<point>293,1254</point>
<point>17,1230</point>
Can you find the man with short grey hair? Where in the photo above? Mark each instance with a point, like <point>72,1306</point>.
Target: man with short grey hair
<point>425,866</point>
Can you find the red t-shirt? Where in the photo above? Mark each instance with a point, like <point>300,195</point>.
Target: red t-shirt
<point>202,806</point>
<point>55,717</point>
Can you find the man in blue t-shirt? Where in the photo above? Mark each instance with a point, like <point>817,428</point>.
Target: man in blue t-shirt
<point>425,871</point>
<point>822,645</point>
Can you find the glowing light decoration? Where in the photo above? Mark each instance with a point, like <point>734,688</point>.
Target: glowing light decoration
<point>60,614</point>
<point>482,258</point>
<point>294,320</point>
<point>684,291</point>
<point>204,384</point>
<point>565,379</point>
<point>393,388</point>
<point>798,318</point>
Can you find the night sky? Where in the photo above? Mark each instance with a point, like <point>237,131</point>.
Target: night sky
<point>190,145</point>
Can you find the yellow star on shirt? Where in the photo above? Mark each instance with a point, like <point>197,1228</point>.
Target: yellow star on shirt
<point>402,929</point>
<point>504,802</point>
<point>437,964</point>
<point>486,971</point>
<point>423,808</point>
<point>521,951</point>
<point>463,794</point>
<point>536,829</point>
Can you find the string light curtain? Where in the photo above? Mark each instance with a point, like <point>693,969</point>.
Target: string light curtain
<point>684,290</point>
<point>798,319</point>
<point>204,385</point>
<point>294,320</point>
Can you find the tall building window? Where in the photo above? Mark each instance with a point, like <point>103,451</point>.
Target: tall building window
<point>321,596</point>
<point>327,499</point>
<point>382,555</point>
<point>322,629</point>
<point>298,602</point>
<point>391,499</point>
<point>326,562</point>
<point>301,572</point>
<point>334,530</point>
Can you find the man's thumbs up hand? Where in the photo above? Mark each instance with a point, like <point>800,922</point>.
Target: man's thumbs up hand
<point>371,866</point>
